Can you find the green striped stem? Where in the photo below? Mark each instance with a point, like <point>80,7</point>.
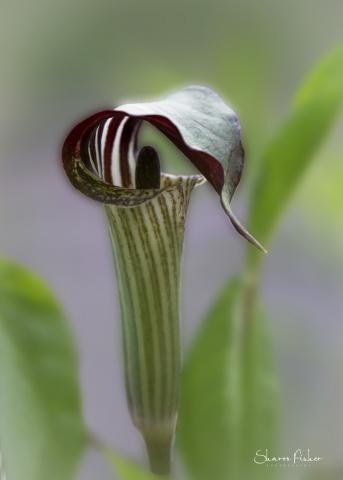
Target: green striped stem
<point>147,242</point>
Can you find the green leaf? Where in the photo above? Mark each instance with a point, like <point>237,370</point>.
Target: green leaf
<point>228,394</point>
<point>259,397</point>
<point>294,145</point>
<point>209,410</point>
<point>41,429</point>
<point>126,469</point>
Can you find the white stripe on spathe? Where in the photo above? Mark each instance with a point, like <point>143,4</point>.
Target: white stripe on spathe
<point>103,144</point>
<point>115,161</point>
<point>132,154</point>
<point>98,152</point>
<point>104,138</point>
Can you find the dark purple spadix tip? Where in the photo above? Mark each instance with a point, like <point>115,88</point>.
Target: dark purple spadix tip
<point>148,169</point>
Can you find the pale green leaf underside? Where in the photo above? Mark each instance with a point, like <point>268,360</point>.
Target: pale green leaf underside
<point>204,121</point>
<point>218,425</point>
<point>294,145</point>
<point>41,430</point>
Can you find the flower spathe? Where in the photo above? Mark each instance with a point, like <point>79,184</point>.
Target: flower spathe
<point>146,213</point>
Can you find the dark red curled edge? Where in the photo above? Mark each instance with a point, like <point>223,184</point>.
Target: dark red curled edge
<point>72,143</point>
<point>205,163</point>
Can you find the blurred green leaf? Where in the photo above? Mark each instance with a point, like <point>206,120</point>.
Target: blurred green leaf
<point>42,433</point>
<point>259,396</point>
<point>228,403</point>
<point>128,470</point>
<point>294,145</point>
<point>209,413</point>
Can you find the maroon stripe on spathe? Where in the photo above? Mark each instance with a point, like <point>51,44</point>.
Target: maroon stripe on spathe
<point>72,144</point>
<point>109,142</point>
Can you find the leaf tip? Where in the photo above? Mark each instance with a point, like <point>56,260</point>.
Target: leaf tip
<point>239,227</point>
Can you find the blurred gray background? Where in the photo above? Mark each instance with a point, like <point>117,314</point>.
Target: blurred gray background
<point>62,60</point>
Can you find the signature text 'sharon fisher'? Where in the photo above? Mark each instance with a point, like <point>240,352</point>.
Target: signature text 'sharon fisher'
<point>297,458</point>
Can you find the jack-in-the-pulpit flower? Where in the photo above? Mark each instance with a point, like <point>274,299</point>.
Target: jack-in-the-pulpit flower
<point>146,212</point>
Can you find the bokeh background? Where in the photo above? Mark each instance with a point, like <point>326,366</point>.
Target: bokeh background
<point>62,60</point>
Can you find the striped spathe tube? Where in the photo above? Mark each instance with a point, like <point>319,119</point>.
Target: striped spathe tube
<point>147,245</point>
